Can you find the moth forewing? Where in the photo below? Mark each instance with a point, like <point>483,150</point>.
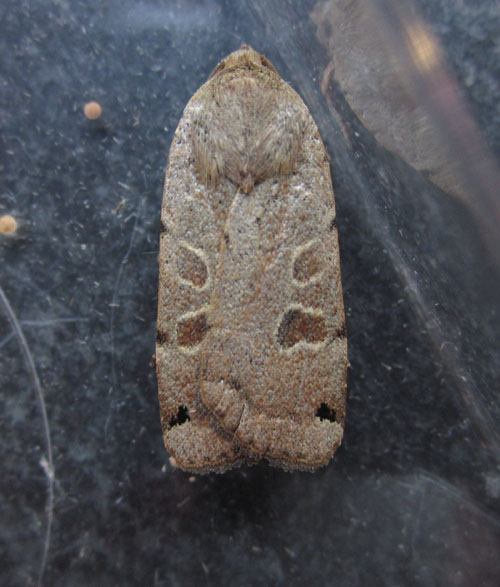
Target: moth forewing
<point>251,346</point>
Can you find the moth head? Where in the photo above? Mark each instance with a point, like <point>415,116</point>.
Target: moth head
<point>244,58</point>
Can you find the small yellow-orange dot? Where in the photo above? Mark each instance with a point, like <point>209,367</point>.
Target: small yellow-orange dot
<point>92,110</point>
<point>8,224</point>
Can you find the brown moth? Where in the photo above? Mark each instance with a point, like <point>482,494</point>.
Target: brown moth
<point>251,351</point>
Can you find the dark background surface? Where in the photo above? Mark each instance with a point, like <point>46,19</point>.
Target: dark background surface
<point>88,496</point>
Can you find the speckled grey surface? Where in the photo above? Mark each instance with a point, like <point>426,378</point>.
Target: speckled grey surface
<point>411,497</point>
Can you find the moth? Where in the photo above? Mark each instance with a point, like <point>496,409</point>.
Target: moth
<point>251,349</point>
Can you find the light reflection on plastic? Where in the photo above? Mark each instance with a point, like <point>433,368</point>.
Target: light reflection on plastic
<point>423,49</point>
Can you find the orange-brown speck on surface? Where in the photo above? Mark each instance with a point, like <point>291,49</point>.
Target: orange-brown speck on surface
<point>8,225</point>
<point>92,110</point>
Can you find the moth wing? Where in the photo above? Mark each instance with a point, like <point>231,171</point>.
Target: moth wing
<point>190,233</point>
<point>275,358</point>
